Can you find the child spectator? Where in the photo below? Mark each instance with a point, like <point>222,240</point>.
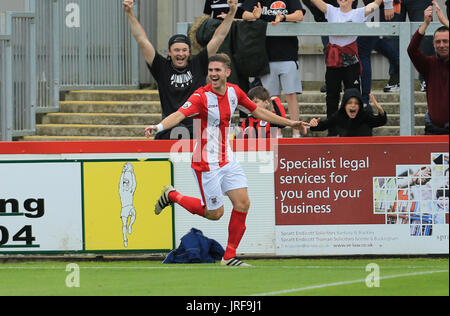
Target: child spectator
<point>255,128</point>
<point>352,119</point>
<point>320,17</point>
<point>342,60</point>
<point>366,44</point>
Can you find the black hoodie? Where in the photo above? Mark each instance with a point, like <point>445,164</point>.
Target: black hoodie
<point>360,126</point>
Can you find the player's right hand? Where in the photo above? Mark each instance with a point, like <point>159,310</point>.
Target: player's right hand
<point>151,130</point>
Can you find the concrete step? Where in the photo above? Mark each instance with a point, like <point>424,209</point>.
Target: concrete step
<point>90,130</point>
<point>379,131</point>
<point>390,108</point>
<point>79,138</point>
<point>393,119</point>
<point>112,95</point>
<point>112,132</point>
<point>146,107</point>
<point>149,119</point>
<point>152,95</point>
<point>110,107</point>
<point>101,118</point>
<point>124,114</point>
<point>380,96</point>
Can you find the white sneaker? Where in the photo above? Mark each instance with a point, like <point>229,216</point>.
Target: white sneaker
<point>423,86</point>
<point>234,262</point>
<point>391,88</point>
<point>163,200</point>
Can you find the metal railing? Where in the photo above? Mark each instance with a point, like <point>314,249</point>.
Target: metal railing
<point>5,86</point>
<point>402,30</point>
<point>47,63</point>
<point>96,46</point>
<point>17,74</point>
<point>61,45</point>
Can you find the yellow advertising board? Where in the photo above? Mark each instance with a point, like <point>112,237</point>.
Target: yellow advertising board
<point>119,200</point>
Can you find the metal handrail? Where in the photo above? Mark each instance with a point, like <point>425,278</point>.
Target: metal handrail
<point>403,30</point>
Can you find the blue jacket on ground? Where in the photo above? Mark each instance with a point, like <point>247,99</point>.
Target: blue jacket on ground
<point>196,248</point>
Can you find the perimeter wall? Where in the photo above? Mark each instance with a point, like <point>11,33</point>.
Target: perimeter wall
<point>380,195</point>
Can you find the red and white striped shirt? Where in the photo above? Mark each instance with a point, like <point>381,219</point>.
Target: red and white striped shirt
<point>215,111</point>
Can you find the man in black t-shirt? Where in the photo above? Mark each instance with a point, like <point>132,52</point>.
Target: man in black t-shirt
<point>284,77</point>
<point>180,74</point>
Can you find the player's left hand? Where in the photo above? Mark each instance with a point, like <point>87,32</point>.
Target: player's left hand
<point>302,126</point>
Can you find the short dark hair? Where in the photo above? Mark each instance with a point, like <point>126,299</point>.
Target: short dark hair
<point>222,58</point>
<point>260,93</point>
<point>441,29</point>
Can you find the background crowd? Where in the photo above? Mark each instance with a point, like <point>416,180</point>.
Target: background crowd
<point>347,60</point>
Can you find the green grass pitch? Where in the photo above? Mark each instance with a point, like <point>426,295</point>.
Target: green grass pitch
<point>284,277</point>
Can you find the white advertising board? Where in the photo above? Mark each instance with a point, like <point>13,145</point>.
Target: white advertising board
<point>40,207</point>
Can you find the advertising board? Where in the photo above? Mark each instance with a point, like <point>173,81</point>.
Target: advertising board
<point>365,199</point>
<point>78,206</point>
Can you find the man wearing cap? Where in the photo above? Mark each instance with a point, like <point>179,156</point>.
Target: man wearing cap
<point>180,74</point>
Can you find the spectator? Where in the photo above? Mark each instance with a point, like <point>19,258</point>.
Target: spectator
<point>342,60</point>
<point>414,10</point>
<point>256,128</point>
<point>284,76</point>
<point>179,75</point>
<point>320,17</point>
<point>218,9</point>
<point>434,70</point>
<point>352,119</point>
<point>366,44</point>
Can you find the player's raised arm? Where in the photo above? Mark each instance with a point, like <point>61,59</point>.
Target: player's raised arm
<point>171,121</point>
<point>270,117</point>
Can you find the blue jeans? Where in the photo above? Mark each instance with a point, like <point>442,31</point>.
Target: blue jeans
<point>366,44</point>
